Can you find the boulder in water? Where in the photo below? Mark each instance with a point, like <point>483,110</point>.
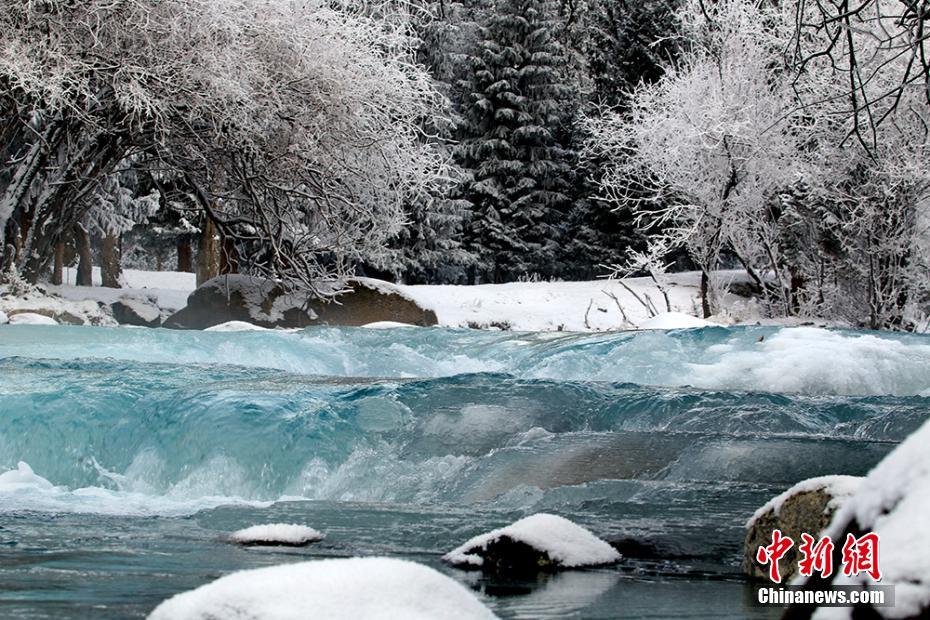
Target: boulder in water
<point>133,311</point>
<point>893,501</point>
<point>807,507</point>
<point>538,543</point>
<point>268,304</point>
<point>350,589</point>
<point>31,317</point>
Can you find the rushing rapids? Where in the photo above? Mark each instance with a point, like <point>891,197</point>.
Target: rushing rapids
<point>407,441</point>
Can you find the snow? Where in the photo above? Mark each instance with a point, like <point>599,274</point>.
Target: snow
<point>145,311</point>
<point>22,476</point>
<point>168,289</point>
<point>354,588</point>
<point>386,325</point>
<point>556,306</point>
<point>894,501</point>
<point>675,320</point>
<point>31,318</point>
<point>276,533</point>
<point>3,317</point>
<point>236,326</point>
<point>566,543</point>
<point>841,488</point>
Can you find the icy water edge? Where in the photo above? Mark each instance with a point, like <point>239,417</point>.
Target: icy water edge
<point>406,442</point>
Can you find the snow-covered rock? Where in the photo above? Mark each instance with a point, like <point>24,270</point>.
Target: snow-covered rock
<point>675,320</point>
<point>540,542</point>
<point>894,502</point>
<point>266,303</point>
<point>31,318</point>
<point>3,318</point>
<point>235,326</point>
<point>807,507</point>
<point>277,534</point>
<point>350,589</point>
<point>133,311</point>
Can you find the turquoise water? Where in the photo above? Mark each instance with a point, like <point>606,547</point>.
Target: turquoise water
<point>405,442</point>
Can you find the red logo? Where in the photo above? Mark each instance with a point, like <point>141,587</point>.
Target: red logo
<point>770,554</point>
<point>860,555</point>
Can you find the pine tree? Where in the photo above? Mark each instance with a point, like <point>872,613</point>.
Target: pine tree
<point>516,104</point>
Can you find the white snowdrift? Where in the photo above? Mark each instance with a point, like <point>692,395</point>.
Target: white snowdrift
<point>236,326</point>
<point>894,501</point>
<point>31,318</point>
<point>569,545</point>
<point>276,534</point>
<point>841,488</point>
<point>675,320</point>
<point>350,589</point>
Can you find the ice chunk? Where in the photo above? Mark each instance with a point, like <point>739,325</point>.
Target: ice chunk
<point>286,534</point>
<point>354,588</point>
<point>567,544</point>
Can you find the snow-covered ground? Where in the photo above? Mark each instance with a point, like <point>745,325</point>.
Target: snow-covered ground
<point>596,305</point>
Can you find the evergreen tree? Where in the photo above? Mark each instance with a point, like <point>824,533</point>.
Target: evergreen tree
<point>515,106</point>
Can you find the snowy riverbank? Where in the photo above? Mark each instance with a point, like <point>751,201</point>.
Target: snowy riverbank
<point>596,305</point>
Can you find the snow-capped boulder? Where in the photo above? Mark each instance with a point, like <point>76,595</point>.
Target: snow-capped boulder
<point>3,318</point>
<point>350,589</point>
<point>538,543</point>
<point>267,304</point>
<point>807,507</point>
<point>276,534</point>
<point>31,318</point>
<point>894,502</point>
<point>133,311</point>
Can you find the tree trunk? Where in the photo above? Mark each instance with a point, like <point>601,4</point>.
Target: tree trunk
<point>705,302</point>
<point>58,269</point>
<point>185,254</point>
<point>208,253</point>
<point>110,268</point>
<point>85,268</point>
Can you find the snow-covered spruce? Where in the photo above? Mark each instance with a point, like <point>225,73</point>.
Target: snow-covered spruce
<point>540,542</point>
<point>370,588</point>
<point>276,534</point>
<point>807,507</point>
<point>893,501</point>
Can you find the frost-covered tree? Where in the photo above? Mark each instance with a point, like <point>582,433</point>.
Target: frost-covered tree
<point>515,109</point>
<point>737,153</point>
<point>297,125</point>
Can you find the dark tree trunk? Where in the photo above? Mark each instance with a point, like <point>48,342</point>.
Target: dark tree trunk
<point>85,268</point>
<point>208,254</point>
<point>58,270</point>
<point>705,302</point>
<point>110,268</point>
<point>185,254</point>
